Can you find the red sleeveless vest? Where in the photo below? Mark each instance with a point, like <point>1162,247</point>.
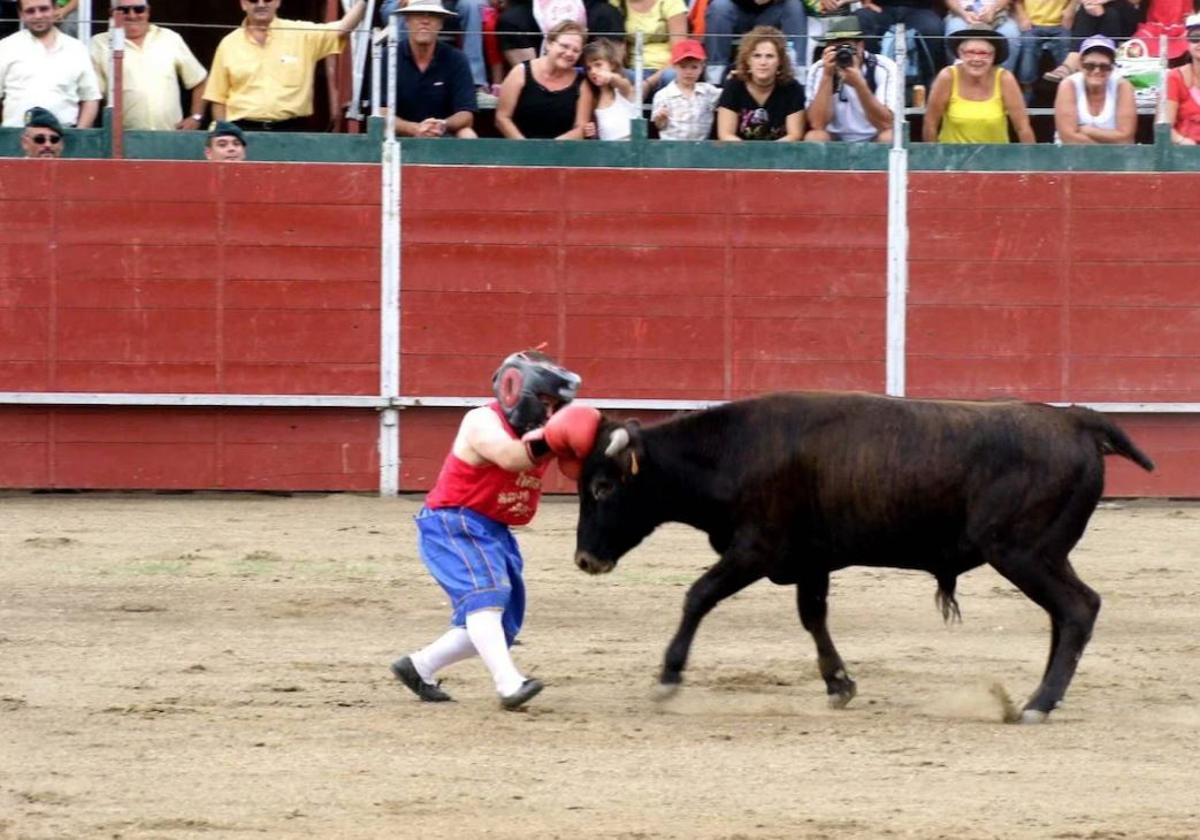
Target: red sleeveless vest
<point>508,497</point>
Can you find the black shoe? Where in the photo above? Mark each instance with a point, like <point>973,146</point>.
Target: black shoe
<point>529,689</point>
<point>406,672</point>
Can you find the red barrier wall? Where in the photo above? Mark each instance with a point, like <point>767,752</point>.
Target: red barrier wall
<point>655,284</point>
<point>1046,286</point>
<point>188,448</point>
<point>187,277</point>
<point>672,284</point>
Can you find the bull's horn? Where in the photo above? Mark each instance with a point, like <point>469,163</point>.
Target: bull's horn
<point>618,441</point>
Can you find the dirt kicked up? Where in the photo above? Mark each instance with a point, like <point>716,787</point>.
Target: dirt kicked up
<point>216,666</point>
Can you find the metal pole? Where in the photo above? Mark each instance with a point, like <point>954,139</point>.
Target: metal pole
<point>85,21</point>
<point>377,70</point>
<point>638,43</point>
<point>900,103</point>
<point>897,241</point>
<point>1160,110</point>
<point>360,44</point>
<point>118,85</point>
<point>393,51</point>
<point>389,302</point>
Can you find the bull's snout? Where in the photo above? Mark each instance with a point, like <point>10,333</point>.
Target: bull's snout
<point>593,565</point>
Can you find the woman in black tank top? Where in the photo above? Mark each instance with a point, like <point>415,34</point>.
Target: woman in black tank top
<point>540,98</point>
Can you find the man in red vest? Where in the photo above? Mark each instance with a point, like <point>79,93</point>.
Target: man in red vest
<point>491,480</point>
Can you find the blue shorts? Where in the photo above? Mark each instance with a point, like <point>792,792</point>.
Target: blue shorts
<point>477,561</point>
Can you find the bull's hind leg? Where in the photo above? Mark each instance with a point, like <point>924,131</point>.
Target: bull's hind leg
<point>727,577</point>
<point>1072,606</point>
<point>811,600</point>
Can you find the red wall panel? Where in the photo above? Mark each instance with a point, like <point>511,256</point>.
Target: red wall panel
<point>1171,440</point>
<point>1044,286</point>
<point>236,279</point>
<point>649,278</point>
<point>135,377</point>
<point>201,449</point>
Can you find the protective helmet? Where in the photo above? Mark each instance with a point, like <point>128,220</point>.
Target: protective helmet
<point>524,377</point>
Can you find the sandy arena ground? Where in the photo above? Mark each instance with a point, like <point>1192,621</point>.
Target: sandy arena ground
<point>215,666</point>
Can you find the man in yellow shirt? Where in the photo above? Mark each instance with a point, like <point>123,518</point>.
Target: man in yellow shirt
<point>262,74</point>
<point>156,61</point>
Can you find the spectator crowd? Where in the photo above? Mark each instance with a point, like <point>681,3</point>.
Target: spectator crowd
<point>733,70</point>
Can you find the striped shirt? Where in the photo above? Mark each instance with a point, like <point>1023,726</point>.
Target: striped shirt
<point>688,117</point>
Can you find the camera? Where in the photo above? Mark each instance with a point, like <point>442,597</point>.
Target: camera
<point>843,56</point>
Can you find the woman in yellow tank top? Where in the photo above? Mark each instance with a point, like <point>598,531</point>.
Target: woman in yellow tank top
<point>973,100</point>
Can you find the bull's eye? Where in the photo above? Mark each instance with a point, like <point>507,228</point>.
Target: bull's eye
<point>601,489</point>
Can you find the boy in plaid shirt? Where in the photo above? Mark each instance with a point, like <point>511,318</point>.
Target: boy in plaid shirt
<point>684,109</point>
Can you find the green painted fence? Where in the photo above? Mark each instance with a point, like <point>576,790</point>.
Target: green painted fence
<point>1161,156</point>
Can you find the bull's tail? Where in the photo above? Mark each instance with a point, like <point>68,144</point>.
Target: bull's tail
<point>1109,437</point>
<point>945,600</point>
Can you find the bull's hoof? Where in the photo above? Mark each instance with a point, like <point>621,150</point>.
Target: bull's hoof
<point>840,688</point>
<point>840,698</point>
<point>665,691</point>
<point>1033,716</point>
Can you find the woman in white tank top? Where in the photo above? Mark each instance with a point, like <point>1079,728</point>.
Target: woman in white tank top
<point>1093,105</point>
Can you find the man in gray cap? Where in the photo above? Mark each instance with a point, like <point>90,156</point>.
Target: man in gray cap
<point>225,142</point>
<point>850,90</point>
<point>43,134</point>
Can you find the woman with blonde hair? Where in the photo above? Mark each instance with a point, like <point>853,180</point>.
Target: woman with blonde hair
<point>974,100</point>
<point>761,100</point>
<point>540,97</point>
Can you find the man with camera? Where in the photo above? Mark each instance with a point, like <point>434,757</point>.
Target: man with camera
<point>850,89</point>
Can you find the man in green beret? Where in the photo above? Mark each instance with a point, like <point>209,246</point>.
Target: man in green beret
<point>43,134</point>
<point>225,142</point>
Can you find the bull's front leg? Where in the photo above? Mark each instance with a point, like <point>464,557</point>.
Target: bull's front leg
<point>811,600</point>
<point>731,574</point>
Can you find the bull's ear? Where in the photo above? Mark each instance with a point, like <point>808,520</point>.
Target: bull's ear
<point>637,447</point>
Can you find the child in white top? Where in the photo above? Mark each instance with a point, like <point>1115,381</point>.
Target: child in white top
<point>613,93</point>
<point>684,109</point>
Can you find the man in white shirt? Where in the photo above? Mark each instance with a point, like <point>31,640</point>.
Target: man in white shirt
<point>40,66</point>
<point>850,90</point>
<point>156,61</point>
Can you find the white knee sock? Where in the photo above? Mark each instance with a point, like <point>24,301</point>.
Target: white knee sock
<point>453,646</point>
<point>487,634</point>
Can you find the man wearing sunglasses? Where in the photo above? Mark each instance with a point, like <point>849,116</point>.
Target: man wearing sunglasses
<point>262,74</point>
<point>43,134</point>
<point>156,62</point>
<point>41,66</point>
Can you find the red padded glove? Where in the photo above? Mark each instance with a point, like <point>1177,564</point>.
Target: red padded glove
<point>571,431</point>
<point>570,468</point>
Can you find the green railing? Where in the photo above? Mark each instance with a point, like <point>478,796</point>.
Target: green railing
<point>1161,156</point>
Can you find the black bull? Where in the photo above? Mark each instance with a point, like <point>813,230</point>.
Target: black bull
<point>794,486</point>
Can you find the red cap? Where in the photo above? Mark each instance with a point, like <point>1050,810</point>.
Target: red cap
<point>687,48</point>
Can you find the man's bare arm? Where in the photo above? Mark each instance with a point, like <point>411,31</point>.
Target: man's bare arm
<point>352,18</point>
